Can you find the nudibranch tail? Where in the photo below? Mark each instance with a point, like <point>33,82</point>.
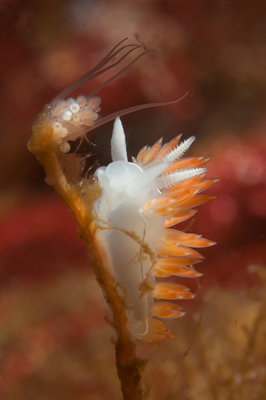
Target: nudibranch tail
<point>140,201</point>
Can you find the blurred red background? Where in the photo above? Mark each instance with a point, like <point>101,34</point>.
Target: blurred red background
<point>215,50</point>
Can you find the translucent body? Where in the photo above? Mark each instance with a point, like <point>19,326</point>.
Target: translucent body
<point>131,226</point>
<point>129,231</point>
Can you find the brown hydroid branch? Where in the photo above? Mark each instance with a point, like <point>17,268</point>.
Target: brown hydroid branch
<point>79,199</point>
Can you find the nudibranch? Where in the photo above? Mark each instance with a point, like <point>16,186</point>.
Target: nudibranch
<point>140,203</point>
<point>129,222</point>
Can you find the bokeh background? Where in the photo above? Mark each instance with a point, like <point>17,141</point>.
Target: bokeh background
<point>54,340</point>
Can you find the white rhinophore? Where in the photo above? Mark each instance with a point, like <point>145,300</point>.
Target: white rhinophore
<point>118,142</point>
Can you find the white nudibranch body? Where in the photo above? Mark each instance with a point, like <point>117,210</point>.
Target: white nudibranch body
<point>139,201</point>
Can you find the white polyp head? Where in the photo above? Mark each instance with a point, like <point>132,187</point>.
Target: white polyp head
<point>65,147</point>
<point>73,115</point>
<point>67,116</point>
<point>57,126</point>
<point>74,108</point>
<point>59,131</point>
<point>81,100</point>
<point>70,101</point>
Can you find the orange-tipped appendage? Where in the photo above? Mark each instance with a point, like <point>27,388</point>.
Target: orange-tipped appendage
<point>167,310</point>
<point>172,291</point>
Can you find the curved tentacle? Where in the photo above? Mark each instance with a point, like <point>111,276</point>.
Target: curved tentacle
<point>107,63</point>
<point>125,111</point>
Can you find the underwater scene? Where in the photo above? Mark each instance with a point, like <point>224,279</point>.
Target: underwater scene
<point>133,200</point>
